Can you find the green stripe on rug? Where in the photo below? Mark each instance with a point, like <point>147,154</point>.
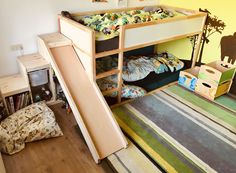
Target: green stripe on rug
<point>227,102</point>
<point>208,106</point>
<point>121,114</point>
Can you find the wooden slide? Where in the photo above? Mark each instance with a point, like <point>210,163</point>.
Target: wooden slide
<point>100,130</point>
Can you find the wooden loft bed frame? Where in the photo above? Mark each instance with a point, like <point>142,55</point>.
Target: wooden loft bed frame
<point>153,33</point>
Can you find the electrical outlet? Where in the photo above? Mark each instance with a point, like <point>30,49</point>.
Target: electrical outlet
<point>17,47</point>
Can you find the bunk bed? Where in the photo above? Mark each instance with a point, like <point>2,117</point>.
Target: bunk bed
<point>131,36</point>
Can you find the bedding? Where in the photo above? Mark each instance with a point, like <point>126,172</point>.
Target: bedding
<point>106,63</point>
<point>127,91</point>
<point>134,69</point>
<point>137,69</point>
<point>107,25</point>
<point>31,123</point>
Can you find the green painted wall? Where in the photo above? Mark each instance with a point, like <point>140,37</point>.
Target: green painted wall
<point>224,10</point>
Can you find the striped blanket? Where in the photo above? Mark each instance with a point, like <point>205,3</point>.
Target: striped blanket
<point>181,131</point>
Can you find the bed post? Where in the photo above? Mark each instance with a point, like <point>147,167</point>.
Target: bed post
<point>198,43</point>
<point>120,62</point>
<point>93,58</point>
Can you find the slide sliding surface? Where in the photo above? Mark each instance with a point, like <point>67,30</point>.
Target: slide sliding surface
<point>101,127</point>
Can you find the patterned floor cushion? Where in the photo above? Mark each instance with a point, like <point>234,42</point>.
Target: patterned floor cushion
<point>128,91</point>
<point>31,123</point>
<point>132,91</point>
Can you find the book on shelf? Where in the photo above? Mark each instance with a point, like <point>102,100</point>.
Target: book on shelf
<point>12,104</point>
<point>22,101</point>
<point>8,106</point>
<point>26,100</point>
<point>17,102</point>
<point>2,110</point>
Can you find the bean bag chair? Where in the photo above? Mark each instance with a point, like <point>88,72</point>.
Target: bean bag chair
<point>34,122</point>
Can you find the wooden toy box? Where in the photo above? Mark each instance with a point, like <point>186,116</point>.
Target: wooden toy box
<point>188,78</point>
<point>211,91</point>
<point>217,72</point>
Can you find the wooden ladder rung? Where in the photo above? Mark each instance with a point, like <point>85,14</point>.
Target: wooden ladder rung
<point>107,73</point>
<point>107,53</point>
<point>109,91</point>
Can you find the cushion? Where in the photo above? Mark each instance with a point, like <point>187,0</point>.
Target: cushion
<point>128,91</point>
<point>132,91</point>
<point>171,61</point>
<point>31,123</point>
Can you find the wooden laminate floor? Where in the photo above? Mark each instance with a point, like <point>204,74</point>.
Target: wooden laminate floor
<point>66,154</point>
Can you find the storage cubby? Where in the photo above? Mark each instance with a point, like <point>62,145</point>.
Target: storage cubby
<point>39,74</point>
<point>15,92</point>
<point>17,102</point>
<point>41,92</point>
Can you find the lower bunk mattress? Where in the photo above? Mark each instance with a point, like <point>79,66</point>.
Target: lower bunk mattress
<point>172,128</point>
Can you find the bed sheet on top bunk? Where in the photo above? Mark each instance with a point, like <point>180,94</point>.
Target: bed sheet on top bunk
<point>107,25</point>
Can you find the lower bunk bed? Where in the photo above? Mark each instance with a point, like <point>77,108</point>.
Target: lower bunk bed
<point>129,29</point>
<point>143,71</point>
<point>172,127</point>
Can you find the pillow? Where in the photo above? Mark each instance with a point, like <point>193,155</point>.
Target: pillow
<point>137,69</point>
<point>128,91</point>
<point>29,124</point>
<point>171,61</point>
<point>132,91</point>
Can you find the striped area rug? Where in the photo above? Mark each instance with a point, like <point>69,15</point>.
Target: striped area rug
<point>175,128</point>
<point>222,110</point>
<point>131,160</point>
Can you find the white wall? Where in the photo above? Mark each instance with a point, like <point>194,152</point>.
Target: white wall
<point>23,20</point>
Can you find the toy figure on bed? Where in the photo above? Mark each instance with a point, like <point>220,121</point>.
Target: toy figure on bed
<point>67,15</point>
